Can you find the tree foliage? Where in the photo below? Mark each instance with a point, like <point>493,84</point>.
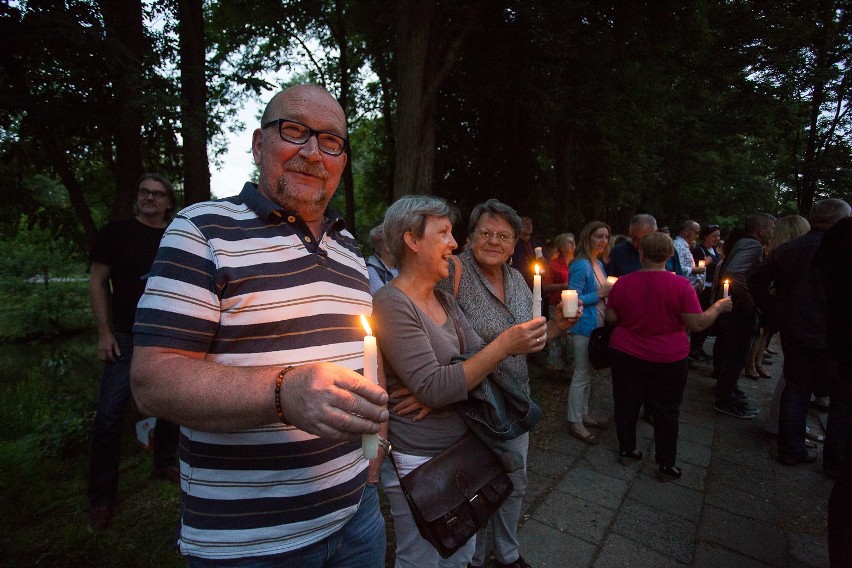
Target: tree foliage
<point>569,111</point>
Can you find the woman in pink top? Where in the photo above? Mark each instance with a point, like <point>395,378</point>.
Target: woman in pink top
<point>653,308</point>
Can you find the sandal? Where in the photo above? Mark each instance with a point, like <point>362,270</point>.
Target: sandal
<point>592,423</point>
<point>751,375</point>
<point>626,458</point>
<point>588,438</point>
<point>669,473</point>
<point>762,372</point>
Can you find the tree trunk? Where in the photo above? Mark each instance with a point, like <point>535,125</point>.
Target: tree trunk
<point>124,28</point>
<point>424,59</point>
<point>193,85</point>
<point>339,33</point>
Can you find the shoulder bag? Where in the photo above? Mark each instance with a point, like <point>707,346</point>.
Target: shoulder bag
<point>453,495</point>
<point>599,346</point>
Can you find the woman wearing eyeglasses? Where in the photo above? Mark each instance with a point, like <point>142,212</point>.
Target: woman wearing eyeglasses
<point>421,334</point>
<point>494,297</point>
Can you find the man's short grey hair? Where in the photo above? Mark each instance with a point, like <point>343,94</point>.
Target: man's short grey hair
<point>497,209</point>
<point>754,223</point>
<point>827,212</point>
<point>643,219</point>
<point>376,235</point>
<point>409,213</point>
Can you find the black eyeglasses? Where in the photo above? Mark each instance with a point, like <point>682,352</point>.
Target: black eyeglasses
<point>298,133</point>
<point>155,193</point>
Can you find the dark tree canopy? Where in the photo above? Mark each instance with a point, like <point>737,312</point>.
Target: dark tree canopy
<point>568,111</point>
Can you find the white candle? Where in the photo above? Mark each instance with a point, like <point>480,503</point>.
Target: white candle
<point>725,289</point>
<point>612,279</point>
<point>538,253</point>
<point>701,264</point>
<point>569,303</point>
<point>370,442</point>
<point>536,294</point>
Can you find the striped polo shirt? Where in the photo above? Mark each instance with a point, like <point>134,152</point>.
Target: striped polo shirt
<point>243,280</point>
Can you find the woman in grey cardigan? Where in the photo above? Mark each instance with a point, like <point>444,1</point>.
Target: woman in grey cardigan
<point>418,339</point>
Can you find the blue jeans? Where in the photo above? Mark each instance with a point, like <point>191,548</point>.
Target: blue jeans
<point>360,543</point>
<point>106,430</point>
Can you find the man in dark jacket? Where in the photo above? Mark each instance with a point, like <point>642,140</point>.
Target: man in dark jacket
<point>736,329</point>
<point>802,314</point>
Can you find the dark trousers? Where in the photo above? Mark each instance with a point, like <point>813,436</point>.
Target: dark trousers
<point>806,368</point>
<point>840,501</point>
<point>106,430</point>
<point>734,333</point>
<point>697,338</point>
<point>660,386</point>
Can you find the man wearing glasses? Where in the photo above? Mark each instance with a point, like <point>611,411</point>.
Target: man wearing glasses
<point>121,259</point>
<point>248,336</point>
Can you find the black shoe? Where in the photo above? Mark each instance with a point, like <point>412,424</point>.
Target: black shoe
<point>626,458</point>
<point>740,395</point>
<point>519,563</point>
<point>746,406</point>
<point>734,410</point>
<point>809,457</point>
<point>668,473</point>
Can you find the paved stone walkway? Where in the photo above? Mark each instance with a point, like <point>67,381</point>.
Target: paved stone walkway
<point>734,506</point>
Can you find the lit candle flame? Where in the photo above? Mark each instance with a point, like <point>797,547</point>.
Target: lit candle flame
<point>366,325</point>
<point>536,269</point>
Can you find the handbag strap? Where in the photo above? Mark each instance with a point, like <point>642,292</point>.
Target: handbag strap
<point>452,315</point>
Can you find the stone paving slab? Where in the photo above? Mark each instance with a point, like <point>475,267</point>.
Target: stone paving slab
<point>663,532</point>
<point>546,547</point>
<point>621,552</point>
<point>747,536</point>
<point>714,555</point>
<point>734,506</point>
<point>669,497</point>
<point>592,486</point>
<point>741,502</point>
<point>575,516</point>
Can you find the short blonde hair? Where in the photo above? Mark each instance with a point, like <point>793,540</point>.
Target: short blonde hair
<point>788,228</point>
<point>657,247</point>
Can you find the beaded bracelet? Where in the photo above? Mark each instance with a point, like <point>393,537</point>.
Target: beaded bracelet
<point>278,382</point>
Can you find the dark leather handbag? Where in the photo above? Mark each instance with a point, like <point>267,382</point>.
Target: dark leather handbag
<point>599,346</point>
<point>455,493</point>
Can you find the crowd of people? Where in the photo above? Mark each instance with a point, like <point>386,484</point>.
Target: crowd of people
<point>248,336</point>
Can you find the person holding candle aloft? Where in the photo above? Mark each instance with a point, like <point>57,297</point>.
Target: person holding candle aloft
<point>735,329</point>
<point>420,332</point>
<point>493,297</point>
<point>648,349</point>
<point>705,252</point>
<point>588,277</point>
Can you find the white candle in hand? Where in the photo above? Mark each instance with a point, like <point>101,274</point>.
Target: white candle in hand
<point>370,442</point>
<point>725,289</point>
<point>612,279</point>
<point>569,303</point>
<point>701,264</point>
<point>538,253</point>
<point>536,312</point>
